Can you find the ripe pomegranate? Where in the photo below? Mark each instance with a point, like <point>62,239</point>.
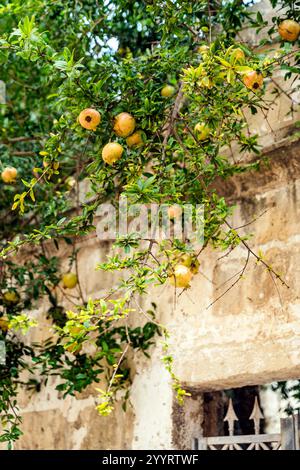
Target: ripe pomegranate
<point>69,280</point>
<point>202,131</point>
<point>181,276</point>
<point>253,80</point>
<point>89,118</point>
<point>124,124</point>
<point>112,152</point>
<point>167,91</point>
<point>135,140</point>
<point>289,30</point>
<point>9,174</point>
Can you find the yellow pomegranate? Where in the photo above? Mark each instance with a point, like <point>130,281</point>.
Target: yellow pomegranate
<point>69,280</point>
<point>190,261</point>
<point>202,131</point>
<point>4,322</point>
<point>11,297</point>
<point>89,118</point>
<point>112,152</point>
<point>181,276</point>
<point>136,139</point>
<point>253,80</point>
<point>9,174</point>
<point>124,124</point>
<point>167,91</point>
<point>289,30</point>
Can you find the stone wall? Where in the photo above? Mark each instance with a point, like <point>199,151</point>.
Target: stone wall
<point>252,335</point>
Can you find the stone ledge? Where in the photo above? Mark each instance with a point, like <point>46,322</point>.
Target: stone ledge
<point>283,169</point>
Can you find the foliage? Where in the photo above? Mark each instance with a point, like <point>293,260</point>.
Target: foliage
<point>290,395</point>
<point>60,57</point>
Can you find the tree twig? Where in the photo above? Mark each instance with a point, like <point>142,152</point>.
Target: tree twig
<point>233,284</point>
<point>258,258</point>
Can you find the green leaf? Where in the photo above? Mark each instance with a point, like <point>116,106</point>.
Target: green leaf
<point>32,195</point>
<point>223,62</point>
<point>243,69</point>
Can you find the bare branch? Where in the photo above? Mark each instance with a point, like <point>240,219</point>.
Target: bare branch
<point>17,153</point>
<point>232,285</point>
<point>259,258</point>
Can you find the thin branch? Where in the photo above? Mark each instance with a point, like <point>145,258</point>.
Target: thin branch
<point>227,253</point>
<point>117,368</point>
<point>228,280</point>
<point>258,258</point>
<point>18,153</point>
<point>169,129</point>
<point>210,22</point>
<point>277,290</point>
<point>194,33</point>
<point>78,278</point>
<point>232,285</point>
<point>13,140</point>
<point>207,278</point>
<point>146,315</point>
<point>66,295</point>
<point>252,221</point>
<point>284,92</point>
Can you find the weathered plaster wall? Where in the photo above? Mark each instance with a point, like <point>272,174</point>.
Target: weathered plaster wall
<point>252,335</point>
<point>50,422</point>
